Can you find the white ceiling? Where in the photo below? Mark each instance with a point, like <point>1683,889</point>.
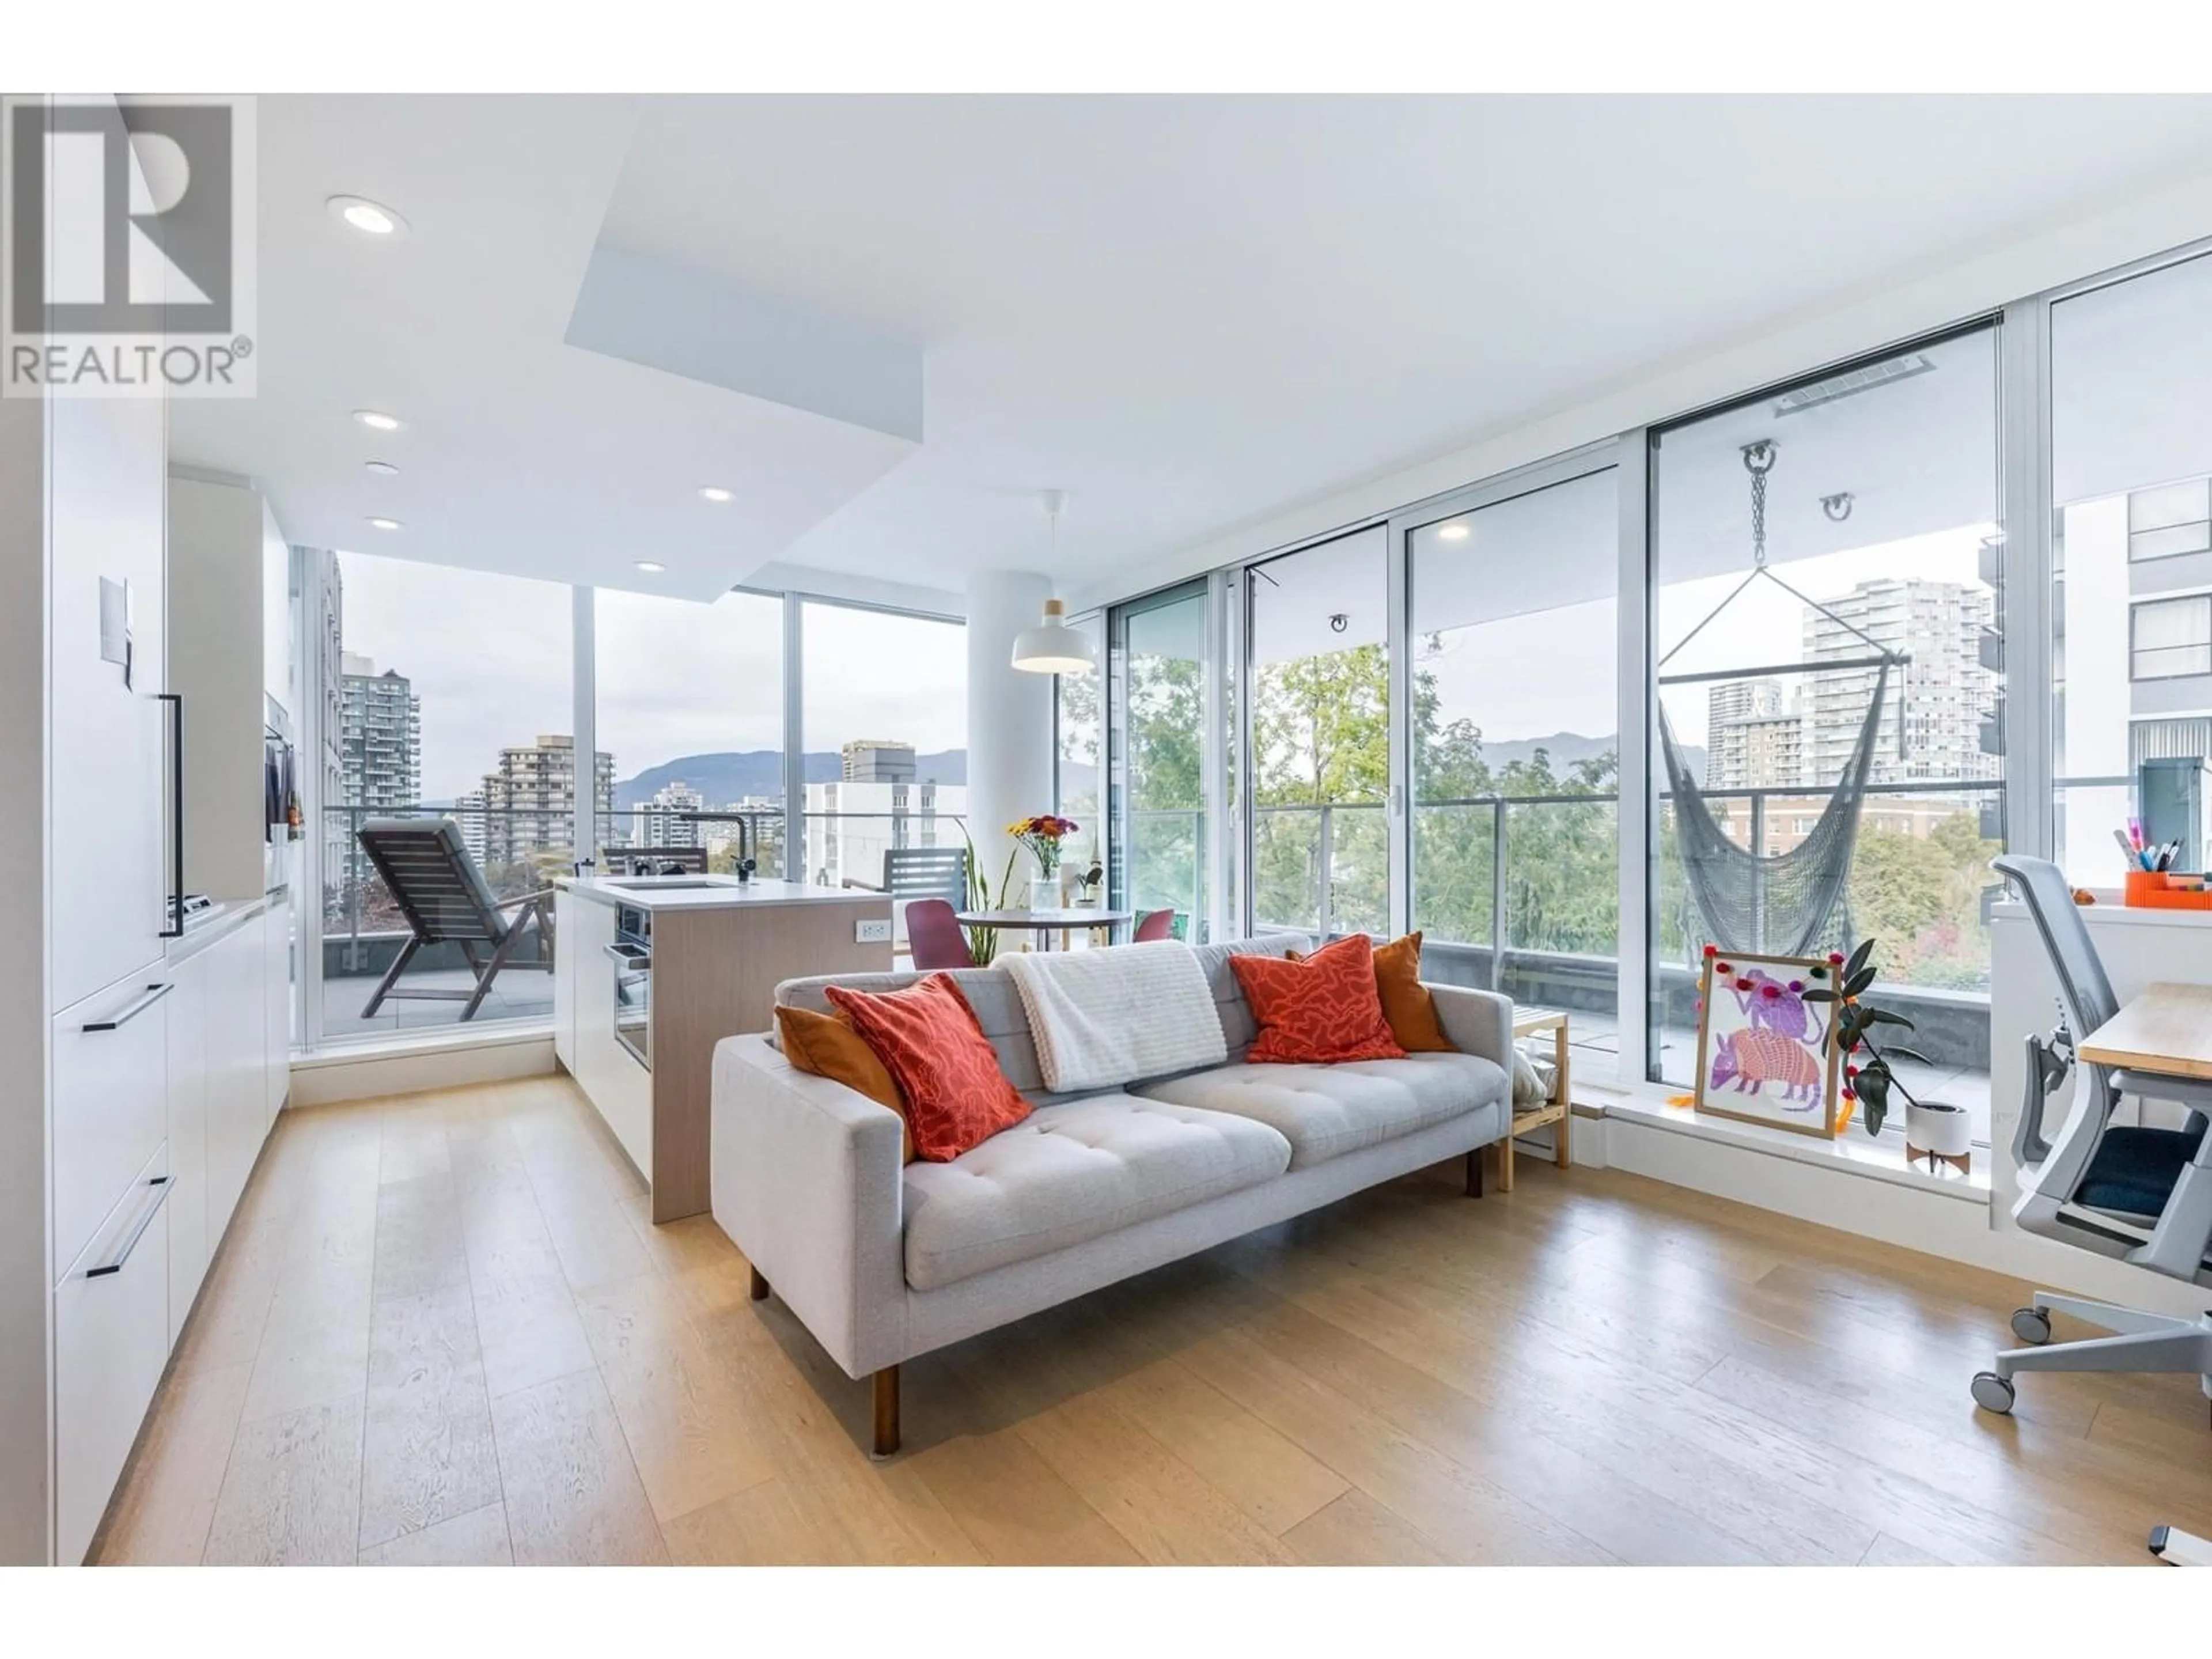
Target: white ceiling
<point>1187,313</point>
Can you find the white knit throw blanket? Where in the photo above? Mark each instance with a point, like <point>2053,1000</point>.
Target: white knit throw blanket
<point>1100,1018</point>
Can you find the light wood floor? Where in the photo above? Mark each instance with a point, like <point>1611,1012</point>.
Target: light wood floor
<point>443,1331</point>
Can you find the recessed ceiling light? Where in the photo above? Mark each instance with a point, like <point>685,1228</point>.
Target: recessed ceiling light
<point>370,218</point>
<point>385,467</point>
<point>1453,532</point>
<point>651,567</point>
<point>376,420</point>
<point>713,493</point>
<point>386,524</point>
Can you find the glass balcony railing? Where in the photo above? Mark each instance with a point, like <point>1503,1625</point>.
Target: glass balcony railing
<point>519,850</point>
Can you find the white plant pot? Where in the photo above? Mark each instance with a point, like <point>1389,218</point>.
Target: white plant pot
<point>1933,1127</point>
<point>1044,893</point>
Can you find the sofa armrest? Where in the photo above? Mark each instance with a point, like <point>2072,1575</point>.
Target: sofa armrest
<point>808,1182</point>
<point>1477,1022</point>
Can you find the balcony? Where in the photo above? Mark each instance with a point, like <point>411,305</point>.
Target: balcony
<point>520,850</point>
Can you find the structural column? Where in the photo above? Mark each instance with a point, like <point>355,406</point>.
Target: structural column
<point>1010,733</point>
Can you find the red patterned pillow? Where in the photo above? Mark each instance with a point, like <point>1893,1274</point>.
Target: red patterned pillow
<point>928,1040</point>
<point>1321,1009</point>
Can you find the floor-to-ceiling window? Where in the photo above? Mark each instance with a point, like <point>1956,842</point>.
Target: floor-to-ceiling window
<point>2131,607</point>
<point>444,693</point>
<point>1828,733</point>
<point>1514,755</point>
<point>1319,729</point>
<point>689,702</point>
<point>1159,766</point>
<point>884,708</point>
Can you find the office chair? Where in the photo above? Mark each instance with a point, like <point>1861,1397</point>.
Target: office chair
<point>2141,1195</point>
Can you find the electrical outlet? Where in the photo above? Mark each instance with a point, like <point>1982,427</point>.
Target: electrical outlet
<point>877,932</point>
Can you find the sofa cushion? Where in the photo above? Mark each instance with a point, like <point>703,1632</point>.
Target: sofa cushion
<point>927,1037</point>
<point>998,1006</point>
<point>1322,1009</point>
<point>1071,1173</point>
<point>1326,1111</point>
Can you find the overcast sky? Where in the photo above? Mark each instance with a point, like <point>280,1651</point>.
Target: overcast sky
<point>489,658</point>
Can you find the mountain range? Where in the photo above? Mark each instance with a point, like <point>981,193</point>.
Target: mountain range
<point>734,775</point>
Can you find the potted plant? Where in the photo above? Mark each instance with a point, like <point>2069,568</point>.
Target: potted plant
<point>1933,1128</point>
<point>1042,835</point>
<point>983,942</point>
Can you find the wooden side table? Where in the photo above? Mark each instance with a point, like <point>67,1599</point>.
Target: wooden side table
<point>1558,1110</point>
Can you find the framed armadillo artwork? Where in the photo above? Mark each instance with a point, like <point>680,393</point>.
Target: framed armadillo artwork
<point>1762,1051</point>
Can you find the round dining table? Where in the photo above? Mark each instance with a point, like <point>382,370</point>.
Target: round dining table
<point>1046,923</point>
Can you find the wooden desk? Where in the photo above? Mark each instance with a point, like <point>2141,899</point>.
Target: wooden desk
<point>2167,1028</point>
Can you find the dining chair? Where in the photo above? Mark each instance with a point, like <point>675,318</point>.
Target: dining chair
<point>1153,925</point>
<point>934,938</point>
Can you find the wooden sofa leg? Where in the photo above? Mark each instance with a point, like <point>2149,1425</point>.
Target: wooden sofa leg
<point>1475,1173</point>
<point>760,1286</point>
<point>887,1411</point>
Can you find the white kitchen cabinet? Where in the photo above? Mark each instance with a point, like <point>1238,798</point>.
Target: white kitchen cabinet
<point>111,1061</point>
<point>189,1242</point>
<point>110,788</point>
<point>86,796</point>
<point>277,1009</point>
<point>111,1341</point>
<point>564,984</point>
<point>618,1085</point>
<point>238,1090</point>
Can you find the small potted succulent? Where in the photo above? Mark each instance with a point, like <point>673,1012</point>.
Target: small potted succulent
<point>1933,1128</point>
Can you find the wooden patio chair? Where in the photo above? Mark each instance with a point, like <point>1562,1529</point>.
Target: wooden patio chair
<point>444,896</point>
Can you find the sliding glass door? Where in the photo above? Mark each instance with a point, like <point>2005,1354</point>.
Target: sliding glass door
<point>1319,737</point>
<point>1514,756</point>
<point>1159,781</point>
<point>1828,741</point>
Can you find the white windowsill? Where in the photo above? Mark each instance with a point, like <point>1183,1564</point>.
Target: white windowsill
<point>1854,1151</point>
<point>406,1045</point>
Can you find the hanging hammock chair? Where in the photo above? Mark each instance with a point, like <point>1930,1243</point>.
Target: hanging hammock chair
<point>1791,903</point>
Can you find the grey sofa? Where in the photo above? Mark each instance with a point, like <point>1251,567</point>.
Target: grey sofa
<point>883,1262</point>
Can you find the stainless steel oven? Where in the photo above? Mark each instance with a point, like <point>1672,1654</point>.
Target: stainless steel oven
<point>631,956</point>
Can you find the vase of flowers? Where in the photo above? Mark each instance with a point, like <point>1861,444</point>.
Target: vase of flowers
<point>1042,835</point>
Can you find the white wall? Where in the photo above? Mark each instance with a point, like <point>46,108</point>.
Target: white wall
<point>2045,257</point>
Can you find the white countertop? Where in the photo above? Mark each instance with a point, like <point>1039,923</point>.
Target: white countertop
<point>208,925</point>
<point>709,892</point>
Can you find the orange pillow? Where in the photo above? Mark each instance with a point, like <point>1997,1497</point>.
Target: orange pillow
<point>1407,1004</point>
<point>1407,1007</point>
<point>1321,1009</point>
<point>928,1040</point>
<point>827,1046</point>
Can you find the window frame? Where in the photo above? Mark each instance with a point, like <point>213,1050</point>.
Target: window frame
<point>2201,602</point>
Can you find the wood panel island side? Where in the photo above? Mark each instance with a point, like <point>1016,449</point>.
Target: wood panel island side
<point>651,972</point>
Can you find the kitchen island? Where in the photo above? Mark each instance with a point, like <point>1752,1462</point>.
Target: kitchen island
<point>651,972</point>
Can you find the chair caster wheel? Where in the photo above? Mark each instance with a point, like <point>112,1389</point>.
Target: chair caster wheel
<point>1993,1393</point>
<point>2031,1326</point>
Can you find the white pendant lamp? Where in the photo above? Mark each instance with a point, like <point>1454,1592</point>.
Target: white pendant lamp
<point>1052,647</point>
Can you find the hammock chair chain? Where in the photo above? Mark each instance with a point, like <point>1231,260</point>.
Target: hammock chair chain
<point>1759,461</point>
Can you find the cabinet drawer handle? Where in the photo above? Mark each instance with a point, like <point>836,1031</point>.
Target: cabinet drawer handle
<point>122,1017</point>
<point>168,1184</point>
